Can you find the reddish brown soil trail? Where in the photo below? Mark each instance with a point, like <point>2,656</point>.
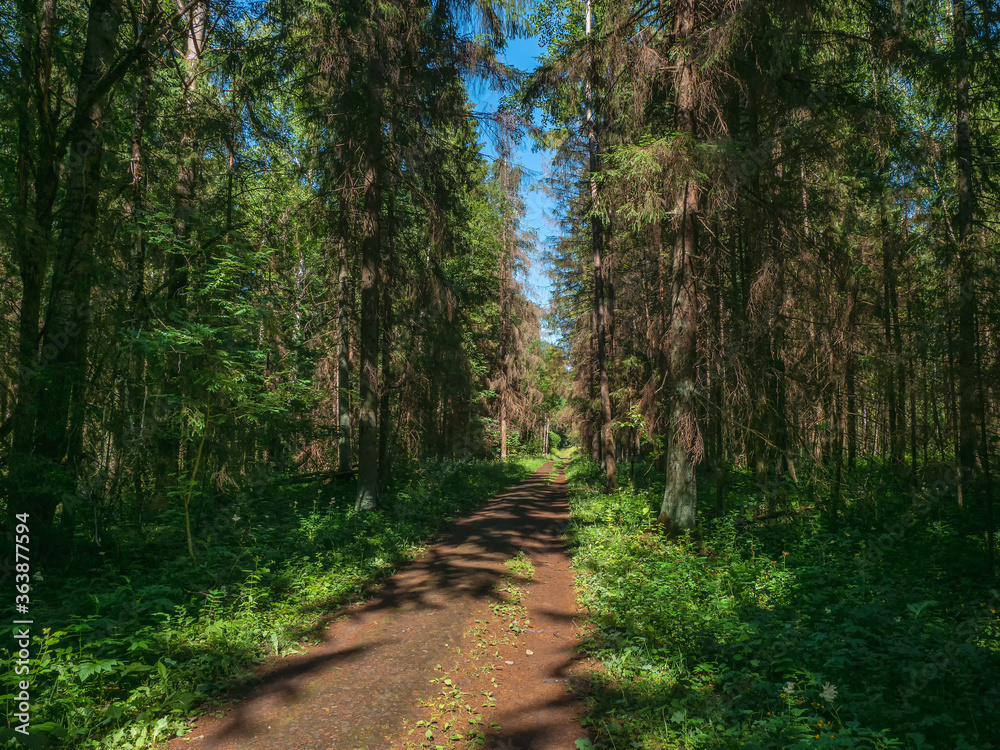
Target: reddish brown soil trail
<point>362,687</point>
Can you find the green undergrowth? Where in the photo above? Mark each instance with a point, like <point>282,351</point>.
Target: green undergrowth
<point>785,633</point>
<point>137,637</point>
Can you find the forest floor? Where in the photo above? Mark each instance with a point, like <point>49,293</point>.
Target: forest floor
<point>474,644</point>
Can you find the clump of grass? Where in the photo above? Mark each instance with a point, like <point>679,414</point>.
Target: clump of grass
<point>510,591</point>
<point>521,566</point>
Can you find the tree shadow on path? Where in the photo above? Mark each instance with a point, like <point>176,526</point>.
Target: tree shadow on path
<point>371,669</point>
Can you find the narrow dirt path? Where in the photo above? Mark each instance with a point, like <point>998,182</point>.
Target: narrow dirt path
<point>381,669</point>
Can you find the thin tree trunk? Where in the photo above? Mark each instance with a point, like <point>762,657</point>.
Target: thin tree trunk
<point>133,206</point>
<point>600,296</point>
<point>913,415</point>
<point>384,433</point>
<point>896,432</point>
<point>985,458</point>
<point>899,447</point>
<point>838,460</point>
<point>593,422</point>
<point>717,376</point>
<point>169,444</point>
<point>852,417</point>
<point>137,270</point>
<point>344,460</point>
<point>953,404</point>
<point>197,27</point>
<point>503,430</point>
<point>968,408</point>
<point>367,498</point>
<point>385,377</point>
<point>939,429</point>
<point>923,396</point>
<point>504,390</point>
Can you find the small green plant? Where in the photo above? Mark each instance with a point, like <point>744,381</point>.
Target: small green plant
<point>521,566</point>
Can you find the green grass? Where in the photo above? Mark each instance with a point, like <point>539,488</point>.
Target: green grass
<point>136,637</point>
<point>790,634</point>
<point>520,566</point>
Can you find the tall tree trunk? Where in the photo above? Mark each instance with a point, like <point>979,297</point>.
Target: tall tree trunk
<point>138,395</point>
<point>600,296</point>
<point>912,380</point>
<point>778,422</point>
<point>717,377</point>
<point>504,336</point>
<point>384,412</point>
<point>985,458</point>
<point>133,206</point>
<point>503,429</point>
<point>594,419</point>
<point>888,307</point>
<point>37,171</point>
<point>184,203</point>
<point>60,417</point>
<point>684,443</point>
<point>953,410</point>
<point>385,377</point>
<point>968,409</point>
<point>838,456</point>
<point>367,498</point>
<point>169,443</point>
<point>899,448</point>
<point>923,397</point>
<point>852,415</point>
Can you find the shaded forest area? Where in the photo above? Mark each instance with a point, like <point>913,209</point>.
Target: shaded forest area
<point>784,261</point>
<point>254,261</point>
<point>245,241</point>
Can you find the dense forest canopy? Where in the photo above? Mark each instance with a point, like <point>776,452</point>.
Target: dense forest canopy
<point>264,236</point>
<point>778,248</point>
<point>246,237</point>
